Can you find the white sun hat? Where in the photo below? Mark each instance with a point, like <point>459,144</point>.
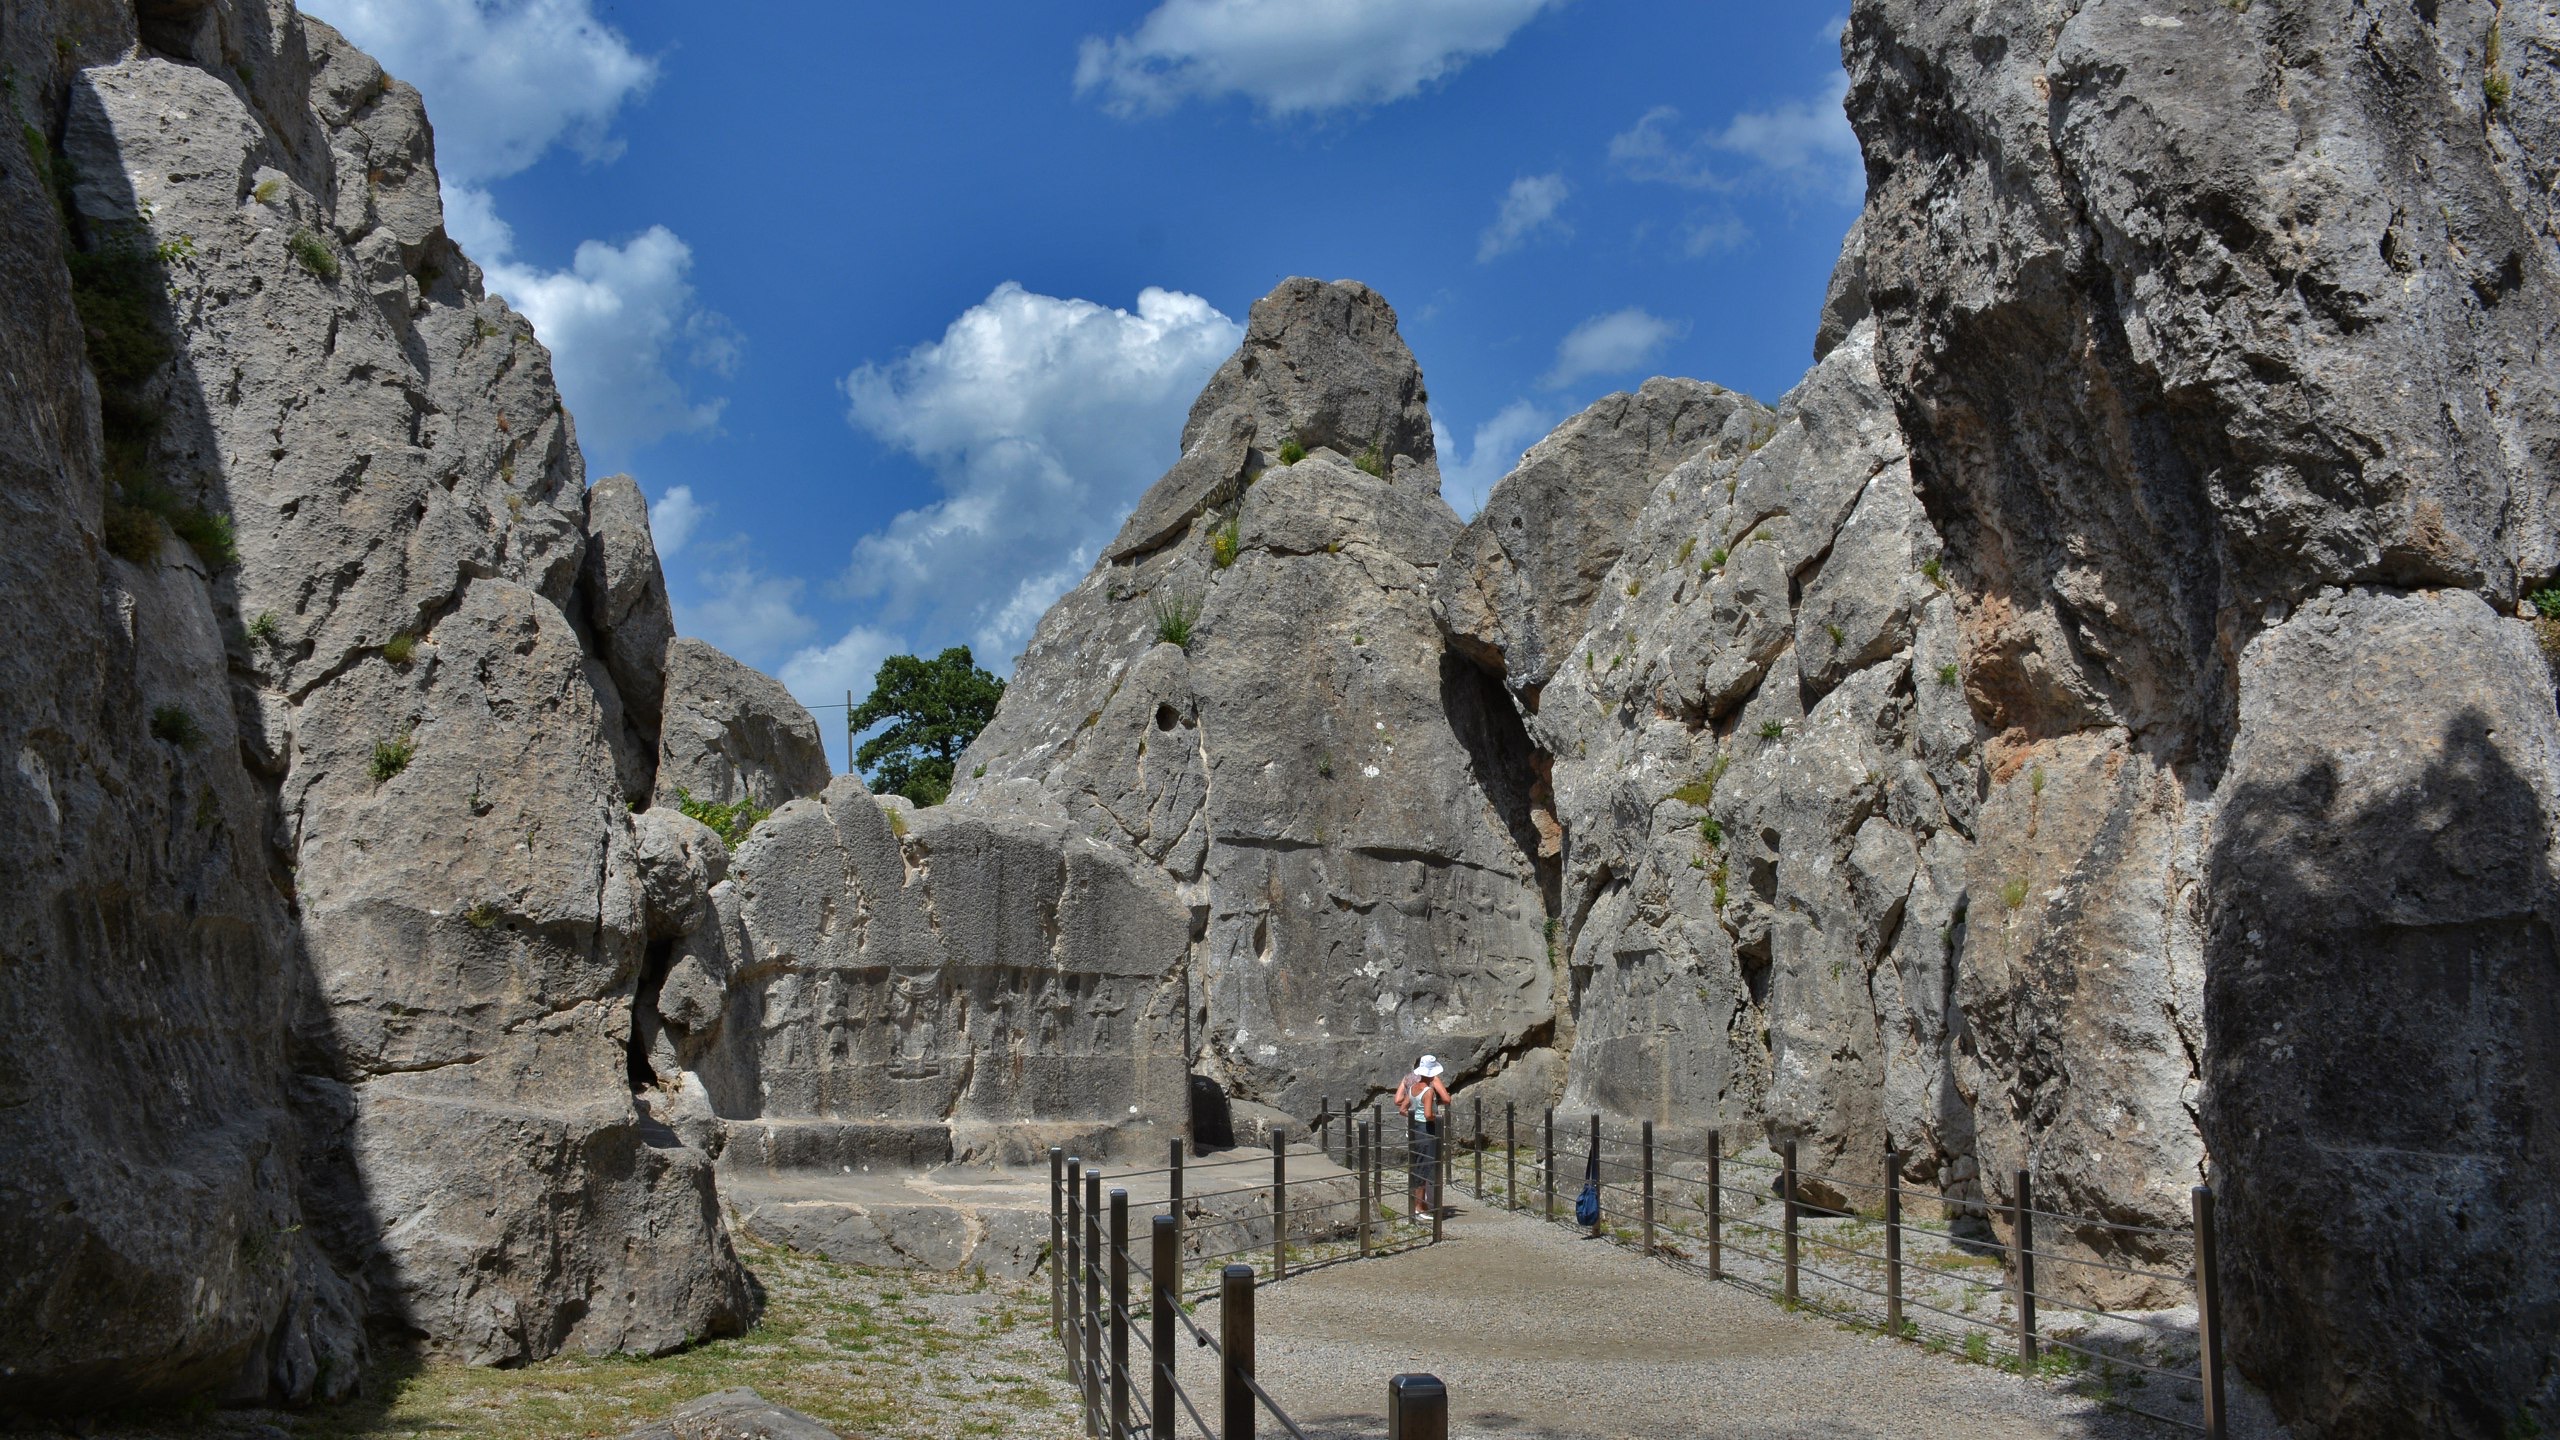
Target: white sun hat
<point>1429,1069</point>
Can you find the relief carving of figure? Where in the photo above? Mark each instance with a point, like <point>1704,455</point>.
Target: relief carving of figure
<point>915,1008</point>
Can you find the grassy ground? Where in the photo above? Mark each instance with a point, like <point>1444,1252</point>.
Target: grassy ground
<point>880,1354</point>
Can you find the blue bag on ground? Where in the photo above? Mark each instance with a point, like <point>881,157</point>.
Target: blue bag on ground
<point>1586,1206</point>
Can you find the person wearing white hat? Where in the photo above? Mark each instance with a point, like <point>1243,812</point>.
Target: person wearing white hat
<point>1423,1097</point>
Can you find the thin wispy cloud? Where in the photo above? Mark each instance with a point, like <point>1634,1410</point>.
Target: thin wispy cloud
<point>1492,449</point>
<point>1800,148</point>
<point>1611,344</point>
<point>1528,211</point>
<point>674,518</point>
<point>1293,57</point>
<point>1042,420</point>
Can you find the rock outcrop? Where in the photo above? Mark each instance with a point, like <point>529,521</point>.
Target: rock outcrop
<point>1259,703</point>
<point>327,962</point>
<point>2220,337</point>
<point>729,733</point>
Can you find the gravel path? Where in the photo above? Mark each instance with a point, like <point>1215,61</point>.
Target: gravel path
<point>1541,1332</point>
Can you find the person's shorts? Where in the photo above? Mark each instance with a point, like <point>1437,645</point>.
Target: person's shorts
<point>1426,1154</point>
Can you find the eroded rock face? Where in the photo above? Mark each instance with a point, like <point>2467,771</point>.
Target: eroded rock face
<point>1344,805</point>
<point>730,733</point>
<point>1519,583</point>
<point>2242,452</point>
<point>365,951</point>
<point>954,985</point>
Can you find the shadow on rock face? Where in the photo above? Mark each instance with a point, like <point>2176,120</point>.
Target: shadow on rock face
<point>2383,1014</point>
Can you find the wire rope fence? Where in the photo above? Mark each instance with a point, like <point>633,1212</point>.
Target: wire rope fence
<point>1864,1251</point>
<point>1220,1242</point>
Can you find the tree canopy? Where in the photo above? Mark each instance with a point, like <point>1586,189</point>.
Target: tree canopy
<point>933,709</point>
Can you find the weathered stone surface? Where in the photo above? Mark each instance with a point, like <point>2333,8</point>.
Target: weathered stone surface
<point>733,1415</point>
<point>960,986</point>
<point>731,733</point>
<point>380,884</point>
<point>1519,583</point>
<point>2268,315</point>
<point>628,613</point>
<point>1321,366</point>
<point>2380,963</point>
<point>1345,806</point>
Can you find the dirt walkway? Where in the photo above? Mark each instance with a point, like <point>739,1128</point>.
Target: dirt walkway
<point>1540,1332</point>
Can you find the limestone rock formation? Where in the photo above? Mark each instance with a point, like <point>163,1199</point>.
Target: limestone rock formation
<point>874,986</point>
<point>733,1415</point>
<point>2257,407</point>
<point>730,733</point>
<point>628,615</point>
<point>1522,577</point>
<point>337,913</point>
<point>1260,703</point>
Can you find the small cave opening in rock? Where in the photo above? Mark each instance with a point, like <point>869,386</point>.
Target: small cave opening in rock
<point>1213,1123</point>
<point>1504,763</point>
<point>645,1024</point>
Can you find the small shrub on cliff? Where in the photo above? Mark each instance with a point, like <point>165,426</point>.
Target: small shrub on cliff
<point>2013,894</point>
<point>175,725</point>
<point>390,757</point>
<point>1175,615</point>
<point>2494,80</point>
<point>1291,452</point>
<point>1947,673</point>
<point>1373,460</point>
<point>1716,559</point>
<point>2546,603</point>
<point>1223,544</point>
<point>1934,570</point>
<point>482,916</point>
<point>400,648</point>
<point>1711,830</point>
<point>314,255</point>
<point>266,628</point>
<point>730,822</point>
<point>266,191</point>
<point>1701,792</point>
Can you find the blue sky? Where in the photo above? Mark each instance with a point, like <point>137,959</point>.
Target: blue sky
<point>894,310</point>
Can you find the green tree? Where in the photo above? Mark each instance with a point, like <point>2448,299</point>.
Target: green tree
<point>934,708</point>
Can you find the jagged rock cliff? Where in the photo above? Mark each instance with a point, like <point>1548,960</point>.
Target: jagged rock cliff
<point>1249,691</point>
<point>2220,334</point>
<point>332,909</point>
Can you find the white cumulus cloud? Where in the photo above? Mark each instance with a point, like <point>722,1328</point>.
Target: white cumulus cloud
<point>745,609</point>
<point>1528,210</point>
<point>1610,344</point>
<point>821,674</point>
<point>1294,57</point>
<point>1803,148</point>
<point>1043,420</point>
<point>1493,449</point>
<point>505,82</point>
<point>674,519</point>
<point>621,324</point>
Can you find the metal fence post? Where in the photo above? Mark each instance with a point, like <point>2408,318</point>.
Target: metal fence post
<point>1510,1155</point>
<point>1160,1336</point>
<point>1417,1408</point>
<point>1119,1314</point>
<point>2208,1315</point>
<point>1548,1165</point>
<point>1181,1222</point>
<point>1235,1352</point>
<point>1093,1302</point>
<point>1715,1204</point>
<point>1057,1249</point>
<point>1787,1184</point>
<point>1279,1203</point>
<point>1363,1168</point>
<point>1324,1126</point>
<point>1075,1270</point>
<point>1440,1176</point>
<point>2026,1238</point>
<point>1378,1162</point>
<point>1648,1187</point>
<point>1479,1147</point>
<point>1893,1243</point>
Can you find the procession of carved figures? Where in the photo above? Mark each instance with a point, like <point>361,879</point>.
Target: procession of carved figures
<point>927,1019</point>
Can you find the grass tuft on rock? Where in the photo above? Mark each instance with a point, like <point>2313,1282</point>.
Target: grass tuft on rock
<point>731,822</point>
<point>1175,617</point>
<point>390,757</point>
<point>314,255</point>
<point>1224,542</point>
<point>1291,452</point>
<point>174,724</point>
